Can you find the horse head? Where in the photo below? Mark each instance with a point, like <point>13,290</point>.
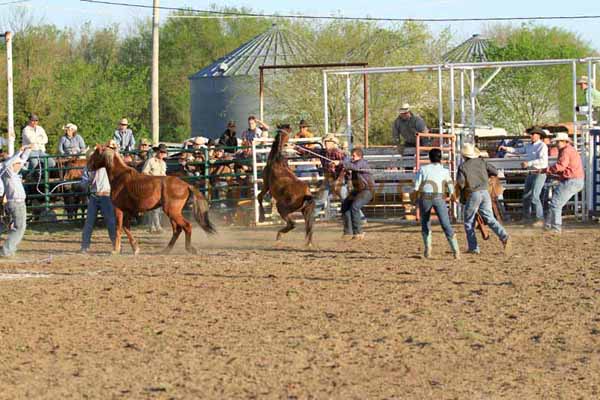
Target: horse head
<point>101,157</point>
<point>281,140</point>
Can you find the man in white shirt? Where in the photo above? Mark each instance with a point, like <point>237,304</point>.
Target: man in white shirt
<point>156,166</point>
<point>35,137</point>
<point>99,199</point>
<point>537,162</point>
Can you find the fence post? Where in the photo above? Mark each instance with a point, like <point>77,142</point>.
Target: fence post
<point>255,182</point>
<point>207,176</point>
<point>46,184</point>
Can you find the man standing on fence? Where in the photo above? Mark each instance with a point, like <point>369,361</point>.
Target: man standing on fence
<point>156,166</point>
<point>569,170</point>
<point>405,129</point>
<point>472,178</point>
<point>15,196</point>
<point>537,162</point>
<point>99,199</point>
<point>34,135</point>
<point>584,84</point>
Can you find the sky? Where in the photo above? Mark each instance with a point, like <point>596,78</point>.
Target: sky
<point>74,13</point>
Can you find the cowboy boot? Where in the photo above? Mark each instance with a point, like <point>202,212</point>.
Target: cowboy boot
<point>454,247</point>
<point>427,243</point>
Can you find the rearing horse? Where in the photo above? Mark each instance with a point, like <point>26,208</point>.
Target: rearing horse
<point>290,193</point>
<point>132,193</point>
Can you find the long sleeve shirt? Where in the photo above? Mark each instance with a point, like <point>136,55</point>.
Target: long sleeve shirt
<point>473,174</point>
<point>361,177</point>
<point>569,164</point>
<point>96,180</point>
<point>155,167</point>
<point>595,96</point>
<point>36,137</point>
<point>13,184</point>
<point>404,131</point>
<point>71,145</point>
<point>125,139</point>
<point>434,179</point>
<point>536,153</point>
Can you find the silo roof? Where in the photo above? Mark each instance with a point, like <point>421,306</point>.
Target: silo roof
<point>276,46</point>
<point>473,49</point>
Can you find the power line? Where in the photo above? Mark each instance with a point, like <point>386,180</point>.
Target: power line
<point>13,2</point>
<point>321,17</point>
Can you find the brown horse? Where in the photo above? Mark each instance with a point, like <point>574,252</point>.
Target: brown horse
<point>290,193</point>
<point>133,193</point>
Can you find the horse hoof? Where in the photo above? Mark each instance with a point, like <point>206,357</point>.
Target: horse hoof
<point>115,252</point>
<point>192,250</point>
<point>309,245</point>
<point>136,251</point>
<point>261,218</point>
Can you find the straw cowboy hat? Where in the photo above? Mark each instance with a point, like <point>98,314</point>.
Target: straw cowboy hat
<point>199,140</point>
<point>331,138</point>
<point>73,127</point>
<point>561,136</point>
<point>405,108</point>
<point>470,151</point>
<point>123,121</point>
<point>583,79</point>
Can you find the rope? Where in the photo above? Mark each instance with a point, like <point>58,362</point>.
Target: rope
<point>313,153</point>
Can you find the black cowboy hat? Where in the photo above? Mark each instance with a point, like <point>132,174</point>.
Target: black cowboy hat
<point>161,148</point>
<point>303,124</point>
<point>231,124</point>
<point>538,131</point>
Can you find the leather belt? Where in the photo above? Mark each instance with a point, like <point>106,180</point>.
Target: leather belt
<point>536,172</point>
<point>102,194</point>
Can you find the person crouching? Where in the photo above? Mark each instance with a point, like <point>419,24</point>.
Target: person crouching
<point>15,196</point>
<point>362,193</point>
<point>472,178</point>
<point>432,183</point>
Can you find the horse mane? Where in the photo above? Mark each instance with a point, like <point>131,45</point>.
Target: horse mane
<point>113,160</point>
<point>276,153</point>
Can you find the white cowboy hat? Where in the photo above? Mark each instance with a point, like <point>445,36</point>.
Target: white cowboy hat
<point>200,140</point>
<point>561,136</point>
<point>470,151</point>
<point>331,138</point>
<point>405,108</point>
<point>70,126</point>
<point>124,121</point>
<point>583,79</point>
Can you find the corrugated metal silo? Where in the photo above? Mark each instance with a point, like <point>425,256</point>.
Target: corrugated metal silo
<point>228,88</point>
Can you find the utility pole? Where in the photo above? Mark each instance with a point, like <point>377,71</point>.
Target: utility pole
<point>155,47</point>
<point>9,94</point>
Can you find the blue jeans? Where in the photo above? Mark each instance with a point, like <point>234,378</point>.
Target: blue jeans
<point>532,196</point>
<point>560,196</point>
<point>480,202</point>
<point>154,219</point>
<point>18,215</point>
<point>441,209</point>
<point>35,157</point>
<point>351,211</point>
<point>104,204</point>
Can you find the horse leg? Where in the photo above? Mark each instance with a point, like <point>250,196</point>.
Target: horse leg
<point>176,232</point>
<point>308,212</point>
<point>261,195</point>
<point>290,224</point>
<point>119,221</point>
<point>127,228</point>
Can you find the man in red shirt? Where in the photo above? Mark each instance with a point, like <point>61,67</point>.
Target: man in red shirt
<point>569,171</point>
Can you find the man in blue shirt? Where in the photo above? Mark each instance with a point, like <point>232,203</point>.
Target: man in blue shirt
<point>124,136</point>
<point>432,184</point>
<point>15,196</point>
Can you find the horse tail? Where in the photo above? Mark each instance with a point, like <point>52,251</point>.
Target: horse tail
<point>308,211</point>
<point>200,209</point>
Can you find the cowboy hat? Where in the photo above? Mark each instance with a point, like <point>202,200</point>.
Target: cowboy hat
<point>470,151</point>
<point>561,136</point>
<point>123,121</point>
<point>112,144</point>
<point>231,124</point>
<point>200,140</point>
<point>303,124</point>
<point>331,138</point>
<point>583,79</point>
<point>161,148</point>
<point>73,127</point>
<point>145,142</point>
<point>405,108</point>
<point>538,131</point>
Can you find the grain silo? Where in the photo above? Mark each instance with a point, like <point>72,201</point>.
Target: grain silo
<point>228,88</point>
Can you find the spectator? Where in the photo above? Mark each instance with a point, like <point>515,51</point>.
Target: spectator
<point>229,139</point>
<point>472,178</point>
<point>124,136</point>
<point>156,166</point>
<point>569,170</point>
<point>256,130</point>
<point>139,159</point>
<point>406,127</point>
<point>35,137</point>
<point>584,84</point>
<point>305,169</point>
<point>71,143</point>
<point>99,199</point>
<point>12,188</point>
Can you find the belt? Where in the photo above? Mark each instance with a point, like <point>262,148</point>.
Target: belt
<point>536,172</point>
<point>100,194</point>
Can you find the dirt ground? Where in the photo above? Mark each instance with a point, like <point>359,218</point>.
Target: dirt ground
<point>349,320</point>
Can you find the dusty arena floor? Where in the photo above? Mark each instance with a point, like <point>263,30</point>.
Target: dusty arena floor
<point>249,319</point>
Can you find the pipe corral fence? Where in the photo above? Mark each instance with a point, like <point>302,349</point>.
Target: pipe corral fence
<point>583,141</point>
